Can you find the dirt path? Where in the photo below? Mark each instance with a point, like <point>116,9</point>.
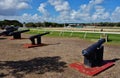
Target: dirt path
<point>51,60</point>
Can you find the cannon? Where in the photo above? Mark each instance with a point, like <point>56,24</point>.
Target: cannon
<point>8,30</point>
<point>93,60</point>
<point>12,28</point>
<point>17,34</point>
<point>38,37</point>
<point>93,55</point>
<point>1,33</point>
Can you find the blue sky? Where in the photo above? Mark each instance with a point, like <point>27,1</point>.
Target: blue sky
<point>61,11</point>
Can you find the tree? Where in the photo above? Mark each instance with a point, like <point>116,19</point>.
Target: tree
<point>30,24</point>
<point>10,22</point>
<point>118,24</point>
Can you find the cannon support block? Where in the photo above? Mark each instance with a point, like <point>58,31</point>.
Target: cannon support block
<point>91,71</point>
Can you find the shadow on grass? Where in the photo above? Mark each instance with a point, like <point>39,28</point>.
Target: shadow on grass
<point>38,65</point>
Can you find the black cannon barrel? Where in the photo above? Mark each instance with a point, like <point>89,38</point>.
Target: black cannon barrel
<point>101,41</point>
<point>8,30</point>
<point>16,32</point>
<point>11,28</point>
<point>22,31</point>
<point>92,48</point>
<point>38,35</point>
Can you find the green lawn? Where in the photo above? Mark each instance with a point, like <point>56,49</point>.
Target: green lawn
<point>113,38</point>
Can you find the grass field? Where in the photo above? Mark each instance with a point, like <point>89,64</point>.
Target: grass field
<point>112,38</point>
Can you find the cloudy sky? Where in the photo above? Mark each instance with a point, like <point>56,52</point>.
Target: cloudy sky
<point>60,10</point>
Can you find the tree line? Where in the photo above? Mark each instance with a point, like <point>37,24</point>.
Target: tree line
<point>10,23</point>
<point>43,24</point>
<point>53,24</point>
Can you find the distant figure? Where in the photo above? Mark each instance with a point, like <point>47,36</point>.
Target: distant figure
<point>24,25</point>
<point>101,29</point>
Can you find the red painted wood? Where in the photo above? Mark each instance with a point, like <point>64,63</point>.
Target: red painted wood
<point>91,71</point>
<point>30,45</point>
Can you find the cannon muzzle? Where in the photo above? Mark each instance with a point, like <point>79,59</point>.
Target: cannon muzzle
<point>91,49</point>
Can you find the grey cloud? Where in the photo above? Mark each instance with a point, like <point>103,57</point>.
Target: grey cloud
<point>12,7</point>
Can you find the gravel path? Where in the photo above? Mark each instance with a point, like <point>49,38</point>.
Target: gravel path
<point>51,60</point>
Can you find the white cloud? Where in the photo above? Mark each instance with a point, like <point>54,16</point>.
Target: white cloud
<point>93,11</point>
<point>13,4</point>
<point>77,15</point>
<point>35,18</point>
<point>10,18</point>
<point>22,5</point>
<point>100,14</point>
<point>11,7</point>
<point>31,18</point>
<point>24,18</point>
<point>66,14</point>
<point>62,7</point>
<point>7,4</point>
<point>116,15</point>
<point>96,2</point>
<point>43,10</point>
<point>86,13</point>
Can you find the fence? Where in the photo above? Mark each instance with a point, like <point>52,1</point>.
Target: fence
<point>111,36</point>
